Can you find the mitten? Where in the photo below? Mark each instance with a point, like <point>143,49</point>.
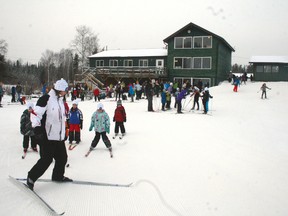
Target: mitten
<point>90,128</point>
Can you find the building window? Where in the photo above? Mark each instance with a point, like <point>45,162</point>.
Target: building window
<point>183,42</point>
<point>259,69</point>
<point>99,63</point>
<point>193,63</point>
<point>143,62</point>
<point>178,63</point>
<point>202,42</point>
<point>206,63</point>
<point>275,69</point>
<point>113,63</point>
<point>267,69</point>
<point>187,63</point>
<point>197,63</point>
<point>128,63</point>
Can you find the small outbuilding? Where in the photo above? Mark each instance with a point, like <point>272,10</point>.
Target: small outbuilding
<point>270,68</point>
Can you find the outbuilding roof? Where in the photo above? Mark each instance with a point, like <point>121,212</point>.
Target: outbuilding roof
<point>269,59</point>
<point>131,53</point>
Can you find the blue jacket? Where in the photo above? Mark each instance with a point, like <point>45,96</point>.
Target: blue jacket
<point>75,116</point>
<point>163,97</point>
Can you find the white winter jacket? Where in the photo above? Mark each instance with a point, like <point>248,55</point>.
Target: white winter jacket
<point>55,115</point>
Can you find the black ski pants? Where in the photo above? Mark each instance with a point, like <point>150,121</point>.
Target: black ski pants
<point>121,125</point>
<point>50,150</point>
<point>104,138</point>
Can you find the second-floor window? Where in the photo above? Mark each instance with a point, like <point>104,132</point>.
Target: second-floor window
<point>193,63</point>
<point>99,63</point>
<point>128,63</point>
<point>113,63</point>
<point>202,42</point>
<point>143,62</point>
<point>183,42</point>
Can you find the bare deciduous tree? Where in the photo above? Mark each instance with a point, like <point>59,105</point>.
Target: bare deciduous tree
<point>85,43</point>
<point>48,61</point>
<point>3,47</point>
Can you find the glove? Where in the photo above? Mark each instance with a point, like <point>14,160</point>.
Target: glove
<point>108,130</point>
<point>125,120</point>
<point>81,126</point>
<point>38,134</point>
<point>114,119</point>
<point>90,128</point>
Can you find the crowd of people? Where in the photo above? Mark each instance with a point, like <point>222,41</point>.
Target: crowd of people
<point>51,122</point>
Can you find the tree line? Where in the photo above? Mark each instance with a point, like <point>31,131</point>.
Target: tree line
<point>66,63</point>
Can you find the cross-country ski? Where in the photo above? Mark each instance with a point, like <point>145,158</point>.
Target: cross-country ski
<point>23,187</point>
<point>80,182</point>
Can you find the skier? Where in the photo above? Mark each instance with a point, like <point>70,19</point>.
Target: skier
<point>75,122</point>
<point>100,121</point>
<point>196,94</point>
<point>96,93</point>
<point>206,95</point>
<point>49,128</point>
<point>236,83</point>
<point>149,90</point>
<point>119,119</point>
<point>176,95</point>
<point>263,89</point>
<point>163,99</point>
<point>179,99</point>
<point>131,92</point>
<point>26,129</point>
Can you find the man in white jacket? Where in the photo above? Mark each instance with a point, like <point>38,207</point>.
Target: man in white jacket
<point>48,122</point>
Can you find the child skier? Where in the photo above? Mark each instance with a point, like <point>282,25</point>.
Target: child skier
<point>27,130</point>
<point>119,119</point>
<point>75,122</point>
<point>263,89</point>
<point>163,99</point>
<point>100,121</point>
<point>196,94</point>
<point>206,95</point>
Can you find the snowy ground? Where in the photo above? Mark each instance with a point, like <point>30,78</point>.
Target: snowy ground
<point>233,162</point>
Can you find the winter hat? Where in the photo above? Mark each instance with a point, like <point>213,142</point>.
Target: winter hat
<point>196,88</point>
<point>61,85</point>
<point>119,102</point>
<point>75,102</point>
<point>206,89</point>
<point>100,106</point>
<point>30,105</point>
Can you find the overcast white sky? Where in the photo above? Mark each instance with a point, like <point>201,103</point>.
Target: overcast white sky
<point>252,27</point>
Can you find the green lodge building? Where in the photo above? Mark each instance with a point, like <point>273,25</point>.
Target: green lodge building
<point>190,54</point>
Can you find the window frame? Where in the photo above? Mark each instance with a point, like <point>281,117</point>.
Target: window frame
<point>142,62</point>
<point>99,63</point>
<point>113,63</point>
<point>127,61</point>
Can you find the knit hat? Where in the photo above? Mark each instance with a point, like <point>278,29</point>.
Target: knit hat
<point>30,105</point>
<point>196,88</point>
<point>75,102</point>
<point>206,89</point>
<point>100,106</point>
<point>119,102</point>
<point>61,85</point>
